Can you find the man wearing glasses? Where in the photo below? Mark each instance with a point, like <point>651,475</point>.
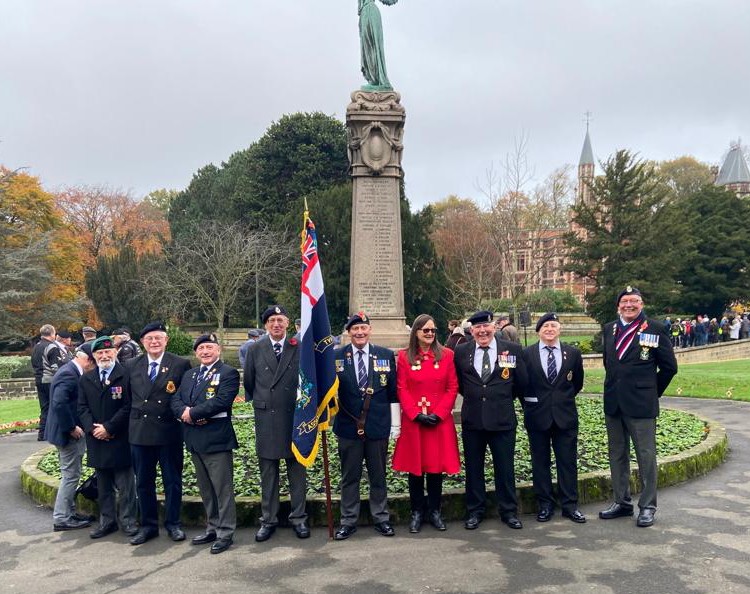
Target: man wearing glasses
<point>491,375</point>
<point>640,363</point>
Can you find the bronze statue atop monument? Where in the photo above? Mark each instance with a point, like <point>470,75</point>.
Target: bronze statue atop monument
<point>372,47</point>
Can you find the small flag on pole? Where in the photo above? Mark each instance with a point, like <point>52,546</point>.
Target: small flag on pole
<point>318,384</point>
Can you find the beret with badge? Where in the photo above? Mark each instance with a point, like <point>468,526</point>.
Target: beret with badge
<point>628,291</point>
<point>101,343</point>
<point>548,317</point>
<point>481,317</point>
<point>153,327</point>
<point>274,310</point>
<point>205,338</point>
<point>358,318</point>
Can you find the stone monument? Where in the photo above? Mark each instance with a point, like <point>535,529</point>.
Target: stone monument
<point>375,125</point>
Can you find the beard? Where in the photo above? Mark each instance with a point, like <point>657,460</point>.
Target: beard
<point>105,366</point>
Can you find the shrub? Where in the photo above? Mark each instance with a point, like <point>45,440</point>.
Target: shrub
<point>180,343</point>
<point>15,366</point>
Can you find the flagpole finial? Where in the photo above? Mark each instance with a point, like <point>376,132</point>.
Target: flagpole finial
<point>306,209</point>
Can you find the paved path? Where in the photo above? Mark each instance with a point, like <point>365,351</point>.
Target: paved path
<point>700,543</point>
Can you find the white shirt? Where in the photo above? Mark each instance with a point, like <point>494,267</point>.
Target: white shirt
<point>479,355</point>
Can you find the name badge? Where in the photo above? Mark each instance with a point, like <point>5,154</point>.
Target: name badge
<point>530,399</point>
<point>649,340</point>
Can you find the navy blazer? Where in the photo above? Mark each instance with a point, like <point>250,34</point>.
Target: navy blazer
<point>63,414</point>
<point>545,402</point>
<point>383,383</point>
<point>633,384</point>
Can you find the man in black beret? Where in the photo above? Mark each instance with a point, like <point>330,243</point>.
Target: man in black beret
<point>103,409</point>
<point>155,434</point>
<point>491,374</point>
<point>204,405</point>
<point>271,379</point>
<point>551,417</point>
<point>640,363</point>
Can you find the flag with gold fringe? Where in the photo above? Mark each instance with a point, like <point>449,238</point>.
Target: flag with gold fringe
<point>318,384</point>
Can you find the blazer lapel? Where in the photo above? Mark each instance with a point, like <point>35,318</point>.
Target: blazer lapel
<point>350,364</point>
<point>268,354</point>
<point>281,364</point>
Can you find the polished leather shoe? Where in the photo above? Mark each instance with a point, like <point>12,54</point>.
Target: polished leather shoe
<point>512,522</point>
<point>302,530</point>
<point>176,534</point>
<point>102,531</point>
<point>437,520</point>
<point>384,528</point>
<point>72,524</point>
<point>344,532</point>
<point>264,532</point>
<point>221,545</point>
<point>645,518</point>
<point>204,538</point>
<point>616,510</point>
<point>574,516</point>
<point>473,521</point>
<point>415,524</point>
<point>83,517</point>
<point>143,535</point>
<point>544,514</point>
<point>130,530</point>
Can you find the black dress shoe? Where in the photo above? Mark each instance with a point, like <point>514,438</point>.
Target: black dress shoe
<point>574,516</point>
<point>645,517</point>
<point>264,532</point>
<point>302,530</point>
<point>344,532</point>
<point>176,534</point>
<point>545,514</point>
<point>130,530</point>
<point>143,535</point>
<point>221,545</point>
<point>415,524</point>
<point>384,528</point>
<point>616,510</point>
<point>204,538</point>
<point>102,531</point>
<point>83,517</point>
<point>473,521</point>
<point>72,524</point>
<point>512,522</point>
<point>437,520</point>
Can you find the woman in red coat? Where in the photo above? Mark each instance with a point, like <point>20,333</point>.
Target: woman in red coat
<point>427,387</point>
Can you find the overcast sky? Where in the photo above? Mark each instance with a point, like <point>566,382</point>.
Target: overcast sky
<point>139,94</point>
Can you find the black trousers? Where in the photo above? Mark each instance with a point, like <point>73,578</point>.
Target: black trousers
<point>502,446</point>
<point>42,391</point>
<point>564,442</point>
<point>170,458</point>
<point>434,491</point>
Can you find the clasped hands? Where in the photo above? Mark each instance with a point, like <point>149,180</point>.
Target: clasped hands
<point>427,420</point>
<point>100,432</point>
<point>186,418</point>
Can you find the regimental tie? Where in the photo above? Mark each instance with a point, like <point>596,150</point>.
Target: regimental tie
<point>361,371</point>
<point>152,371</point>
<point>551,365</point>
<point>104,376</point>
<point>486,369</point>
<point>277,350</point>
<point>202,374</point>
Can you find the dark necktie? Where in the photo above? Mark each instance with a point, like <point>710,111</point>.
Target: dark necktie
<point>277,350</point>
<point>152,371</point>
<point>361,371</point>
<point>202,374</point>
<point>551,365</point>
<point>486,368</point>
<point>104,376</point>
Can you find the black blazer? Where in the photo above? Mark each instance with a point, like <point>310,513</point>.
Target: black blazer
<point>63,413</point>
<point>152,422</point>
<point>490,406</point>
<point>110,406</point>
<point>271,385</point>
<point>633,384</point>
<point>351,399</point>
<point>211,401</point>
<point>545,402</point>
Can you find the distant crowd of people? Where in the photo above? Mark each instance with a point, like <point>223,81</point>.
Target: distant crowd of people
<point>701,330</point>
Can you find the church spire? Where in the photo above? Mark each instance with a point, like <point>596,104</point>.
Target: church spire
<point>734,174</point>
<point>585,166</point>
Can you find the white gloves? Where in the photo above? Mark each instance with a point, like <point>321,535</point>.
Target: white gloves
<point>395,420</point>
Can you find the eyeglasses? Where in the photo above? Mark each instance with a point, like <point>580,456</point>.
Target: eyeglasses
<point>634,301</point>
<point>429,330</point>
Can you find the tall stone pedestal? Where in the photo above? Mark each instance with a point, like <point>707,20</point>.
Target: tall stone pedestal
<point>375,125</point>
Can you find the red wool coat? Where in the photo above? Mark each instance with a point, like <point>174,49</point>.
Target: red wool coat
<point>420,448</point>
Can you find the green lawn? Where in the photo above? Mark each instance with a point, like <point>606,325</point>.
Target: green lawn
<point>721,379</point>
<point>18,410</point>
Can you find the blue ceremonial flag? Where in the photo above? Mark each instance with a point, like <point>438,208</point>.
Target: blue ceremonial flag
<point>318,384</point>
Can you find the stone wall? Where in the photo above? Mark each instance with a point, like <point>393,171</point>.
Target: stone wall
<point>723,351</point>
<point>18,388</point>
